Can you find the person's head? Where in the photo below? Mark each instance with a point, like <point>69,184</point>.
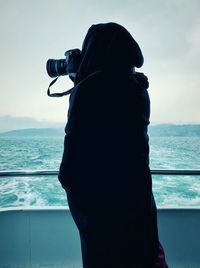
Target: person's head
<point>108,46</point>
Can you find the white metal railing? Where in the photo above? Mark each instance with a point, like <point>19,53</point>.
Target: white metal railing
<point>26,173</point>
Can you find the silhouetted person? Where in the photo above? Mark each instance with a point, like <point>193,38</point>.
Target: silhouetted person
<point>105,166</point>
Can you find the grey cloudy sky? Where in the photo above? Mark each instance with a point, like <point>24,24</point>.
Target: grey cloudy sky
<point>33,30</point>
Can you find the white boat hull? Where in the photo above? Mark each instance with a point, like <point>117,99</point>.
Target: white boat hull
<point>47,237</point>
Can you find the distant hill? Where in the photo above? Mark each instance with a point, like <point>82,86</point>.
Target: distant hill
<point>167,130</point>
<point>33,132</point>
<point>163,130</point>
<point>9,123</point>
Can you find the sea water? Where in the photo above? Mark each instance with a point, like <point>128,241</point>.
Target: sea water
<point>45,153</point>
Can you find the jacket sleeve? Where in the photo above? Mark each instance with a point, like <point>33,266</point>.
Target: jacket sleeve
<point>77,140</point>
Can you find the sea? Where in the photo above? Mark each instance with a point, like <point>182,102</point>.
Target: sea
<point>45,153</point>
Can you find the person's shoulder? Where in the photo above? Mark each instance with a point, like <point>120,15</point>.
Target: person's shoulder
<point>89,86</point>
<point>89,89</point>
<point>142,80</point>
<point>91,79</point>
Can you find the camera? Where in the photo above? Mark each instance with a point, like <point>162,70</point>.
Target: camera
<point>67,66</point>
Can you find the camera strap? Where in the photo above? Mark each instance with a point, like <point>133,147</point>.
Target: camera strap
<point>61,94</point>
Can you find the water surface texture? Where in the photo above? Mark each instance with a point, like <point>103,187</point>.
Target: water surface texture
<point>44,153</point>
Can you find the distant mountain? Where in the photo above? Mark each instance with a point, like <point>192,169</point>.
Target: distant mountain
<point>163,130</point>
<point>167,130</point>
<point>8,123</point>
<point>33,132</point>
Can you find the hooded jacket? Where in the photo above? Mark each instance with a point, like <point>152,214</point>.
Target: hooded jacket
<point>105,164</point>
<point>109,109</point>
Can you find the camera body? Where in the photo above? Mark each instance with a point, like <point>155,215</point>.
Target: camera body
<point>68,66</point>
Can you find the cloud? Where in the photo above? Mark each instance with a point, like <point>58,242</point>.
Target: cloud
<point>167,31</point>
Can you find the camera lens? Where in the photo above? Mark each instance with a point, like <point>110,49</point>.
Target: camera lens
<point>56,67</point>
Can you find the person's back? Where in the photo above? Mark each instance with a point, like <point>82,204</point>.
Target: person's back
<point>105,165</point>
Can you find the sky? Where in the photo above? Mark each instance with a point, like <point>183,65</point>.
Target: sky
<point>32,31</point>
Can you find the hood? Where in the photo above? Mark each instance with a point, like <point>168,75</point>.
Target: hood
<point>108,46</point>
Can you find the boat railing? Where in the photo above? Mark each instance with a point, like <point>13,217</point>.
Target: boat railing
<point>26,173</point>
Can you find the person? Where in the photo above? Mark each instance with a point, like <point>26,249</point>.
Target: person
<point>105,164</point>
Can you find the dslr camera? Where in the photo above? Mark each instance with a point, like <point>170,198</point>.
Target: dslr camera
<point>67,66</point>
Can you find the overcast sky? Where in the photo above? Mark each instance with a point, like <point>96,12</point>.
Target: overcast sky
<point>33,31</point>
